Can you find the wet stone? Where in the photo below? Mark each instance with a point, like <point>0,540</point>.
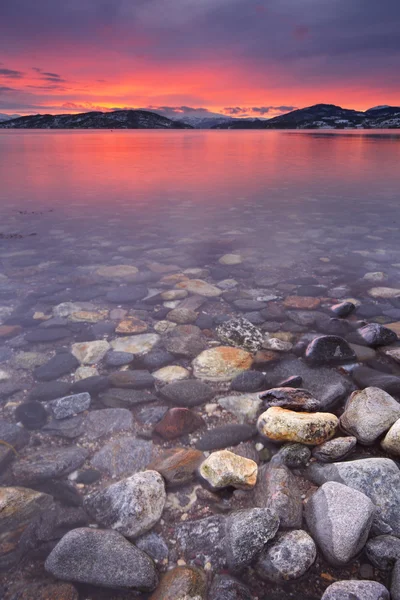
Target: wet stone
<point>356,590</point>
<point>287,557</point>
<point>202,541</point>
<point>329,350</point>
<point>225,436</point>
<point>41,465</point>
<point>222,363</point>
<point>151,415</point>
<point>90,353</point>
<point>107,421</point>
<point>291,398</point>
<point>383,551</point>
<point>177,422</point>
<point>376,335</point>
<point>277,489</point>
<point>240,332</point>
<point>185,340</point>
<point>127,293</point>
<point>61,364</point>
<point>43,591</point>
<point>249,381</point>
<point>13,435</point>
<point>138,345</point>
<point>187,393</point>
<point>245,407</point>
<point>343,310</point>
<point>32,415</point>
<point>101,557</point>
<point>366,377</point>
<point>182,583</point>
<point>224,469</point>
<point>125,398</point>
<point>88,476</point>
<point>282,425</point>
<point>118,359</point>
<point>67,428</point>
<point>91,385</point>
<point>69,405</point>
<point>124,456</point>
<point>177,465</point>
<point>131,506</point>
<point>154,546</point>
<point>49,391</point>
<point>249,305</point>
<point>42,336</point>
<point>293,456</point>
<point>225,587</point>
<point>131,325</point>
<point>135,380</point>
<point>247,532</point>
<point>335,449</point>
<point>156,359</point>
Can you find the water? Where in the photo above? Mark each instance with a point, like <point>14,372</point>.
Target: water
<point>308,213</point>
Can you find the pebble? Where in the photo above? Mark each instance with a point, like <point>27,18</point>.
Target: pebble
<point>301,302</point>
<point>200,287</point>
<point>132,506</point>
<point>329,350</point>
<point>125,398</point>
<point>202,541</point>
<point>290,398</point>
<point>123,456</point>
<point>376,335</point>
<point>225,436</point>
<point>41,465</point>
<point>247,532</point>
<point>61,364</point>
<point>240,332</point>
<point>391,441</point>
<point>356,590</point>
<point>154,545</point>
<point>293,455</point>
<point>287,557</point>
<point>170,374</point>
<point>369,413</point>
<point>223,469</point>
<point>127,294</point>
<point>249,381</point>
<point>383,551</point>
<point>277,489</point>
<point>177,422</point>
<point>103,558</point>
<point>70,405</point>
<point>49,391</point>
<point>117,271</point>
<point>70,428</point>
<point>186,341</point>
<point>343,310</point>
<point>107,420</point>
<point>384,292</point>
<point>187,393</point>
<point>131,325</point>
<point>135,380</point>
<point>42,336</point>
<point>182,316</point>
<point>277,345</point>
<point>90,353</point>
<point>31,414</point>
<point>245,407</point>
<point>138,345</point>
<point>91,385</point>
<point>182,583</point>
<point>366,377</point>
<point>281,425</point>
<point>335,449</point>
<point>177,465</point>
<point>225,587</point>
<point>156,359</point>
<point>222,363</point>
<point>118,359</point>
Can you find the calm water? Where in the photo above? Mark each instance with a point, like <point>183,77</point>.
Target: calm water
<point>306,214</point>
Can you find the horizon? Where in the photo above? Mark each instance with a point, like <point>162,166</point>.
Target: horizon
<point>231,57</point>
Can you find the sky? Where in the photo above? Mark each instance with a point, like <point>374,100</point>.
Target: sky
<point>257,58</point>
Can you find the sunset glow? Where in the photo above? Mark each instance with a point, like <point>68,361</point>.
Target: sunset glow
<point>239,57</point>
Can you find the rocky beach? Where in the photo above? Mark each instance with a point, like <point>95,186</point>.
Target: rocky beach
<point>200,402</point>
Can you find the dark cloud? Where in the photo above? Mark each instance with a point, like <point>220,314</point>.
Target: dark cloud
<point>256,110</point>
<point>4,88</point>
<point>10,73</point>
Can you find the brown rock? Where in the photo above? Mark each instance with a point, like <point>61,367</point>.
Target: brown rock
<point>182,316</point>
<point>265,357</point>
<point>7,331</point>
<point>312,429</point>
<point>132,325</point>
<point>182,583</point>
<point>177,465</point>
<point>222,363</point>
<point>177,422</point>
<point>301,302</point>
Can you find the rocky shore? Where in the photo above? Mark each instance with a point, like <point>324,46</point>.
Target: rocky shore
<point>186,425</point>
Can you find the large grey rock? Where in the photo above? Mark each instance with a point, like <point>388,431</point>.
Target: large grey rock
<point>395,583</point>
<point>101,557</point>
<point>369,413</point>
<point>131,506</point>
<point>41,465</point>
<point>383,551</point>
<point>123,456</point>
<point>366,377</point>
<point>69,405</point>
<point>187,393</point>
<point>375,335</point>
<point>356,590</point>
<point>61,364</point>
<point>339,519</point>
<point>277,488</point>
<point>126,398</point>
<point>247,532</point>
<point>286,557</point>
<point>377,478</point>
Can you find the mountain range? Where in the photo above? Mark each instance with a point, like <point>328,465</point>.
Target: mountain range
<point>319,116</point>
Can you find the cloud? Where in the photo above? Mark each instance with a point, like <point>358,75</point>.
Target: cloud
<point>10,73</point>
<point>4,88</point>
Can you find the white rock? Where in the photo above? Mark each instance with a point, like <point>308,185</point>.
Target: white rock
<point>171,373</point>
<point>89,353</point>
<point>139,345</point>
<point>223,469</point>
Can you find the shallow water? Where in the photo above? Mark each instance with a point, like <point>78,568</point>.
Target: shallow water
<point>309,214</point>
